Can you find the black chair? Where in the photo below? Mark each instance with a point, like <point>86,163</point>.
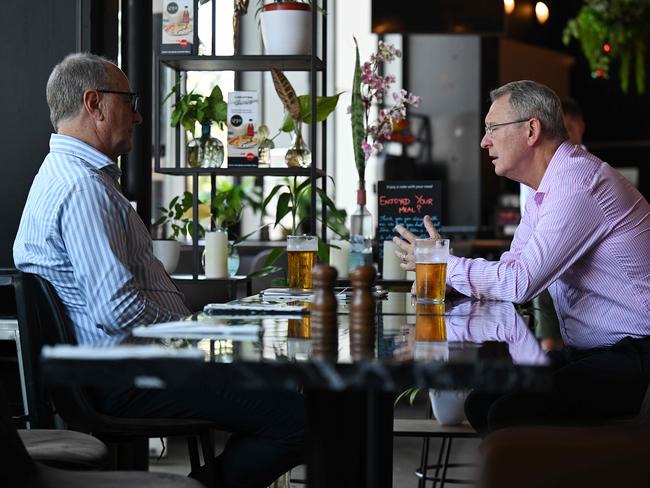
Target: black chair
<point>17,468</point>
<point>65,449</point>
<point>42,320</point>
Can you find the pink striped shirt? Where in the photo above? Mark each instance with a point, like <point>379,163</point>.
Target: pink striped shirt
<point>585,235</point>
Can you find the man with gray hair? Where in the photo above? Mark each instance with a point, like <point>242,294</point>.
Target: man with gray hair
<point>81,234</point>
<point>585,235</point>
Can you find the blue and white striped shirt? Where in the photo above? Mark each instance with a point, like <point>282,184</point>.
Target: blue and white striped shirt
<point>81,234</point>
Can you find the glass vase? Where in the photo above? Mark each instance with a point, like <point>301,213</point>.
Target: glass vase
<point>205,151</point>
<point>299,155</point>
<point>361,232</point>
<point>264,153</point>
<point>233,259</point>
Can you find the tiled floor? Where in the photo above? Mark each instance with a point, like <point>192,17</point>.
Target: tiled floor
<point>406,454</point>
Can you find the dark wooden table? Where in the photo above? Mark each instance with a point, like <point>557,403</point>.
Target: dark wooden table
<point>349,388</point>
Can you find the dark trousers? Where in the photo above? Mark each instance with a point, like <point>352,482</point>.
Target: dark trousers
<point>267,426</point>
<point>590,387</point>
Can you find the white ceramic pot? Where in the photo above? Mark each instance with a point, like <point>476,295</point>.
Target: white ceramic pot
<point>286,28</point>
<point>448,405</point>
<point>168,252</point>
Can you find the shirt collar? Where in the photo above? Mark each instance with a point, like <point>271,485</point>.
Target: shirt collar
<point>562,153</point>
<point>77,148</point>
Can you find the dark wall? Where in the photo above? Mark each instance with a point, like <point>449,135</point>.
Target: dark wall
<point>38,36</point>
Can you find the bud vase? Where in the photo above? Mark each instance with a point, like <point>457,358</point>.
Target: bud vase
<point>299,156</point>
<point>361,232</point>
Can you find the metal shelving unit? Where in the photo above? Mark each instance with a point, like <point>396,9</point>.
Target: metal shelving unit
<point>313,64</point>
<point>240,63</point>
<point>240,171</point>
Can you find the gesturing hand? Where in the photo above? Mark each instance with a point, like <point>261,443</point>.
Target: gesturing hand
<point>405,245</point>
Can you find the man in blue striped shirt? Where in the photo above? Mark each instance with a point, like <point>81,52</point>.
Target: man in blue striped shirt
<point>81,234</point>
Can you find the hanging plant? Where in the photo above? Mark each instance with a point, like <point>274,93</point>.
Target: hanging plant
<point>613,31</point>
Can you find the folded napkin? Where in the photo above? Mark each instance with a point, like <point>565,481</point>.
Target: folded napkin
<point>64,351</point>
<point>191,329</point>
<point>237,310</point>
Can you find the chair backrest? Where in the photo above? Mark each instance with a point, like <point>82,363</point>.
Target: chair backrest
<point>42,320</point>
<point>15,463</point>
<point>30,320</point>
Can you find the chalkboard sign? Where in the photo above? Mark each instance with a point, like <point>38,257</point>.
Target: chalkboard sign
<point>406,203</point>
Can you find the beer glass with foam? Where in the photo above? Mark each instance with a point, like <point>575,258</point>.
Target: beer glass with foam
<point>431,257</point>
<point>301,256</point>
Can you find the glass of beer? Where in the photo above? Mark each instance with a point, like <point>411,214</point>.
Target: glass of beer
<point>301,255</point>
<point>431,257</point>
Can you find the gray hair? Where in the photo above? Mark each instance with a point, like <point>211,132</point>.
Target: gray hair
<point>69,79</point>
<point>532,99</point>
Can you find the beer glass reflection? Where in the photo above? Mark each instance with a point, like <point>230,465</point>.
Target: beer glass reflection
<point>430,322</point>
<point>301,256</point>
<point>431,257</point>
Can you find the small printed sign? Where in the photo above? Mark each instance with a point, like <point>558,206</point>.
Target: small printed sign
<point>178,27</point>
<point>242,127</point>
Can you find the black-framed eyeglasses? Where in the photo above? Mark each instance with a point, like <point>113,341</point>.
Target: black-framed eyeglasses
<point>134,98</point>
<point>489,128</point>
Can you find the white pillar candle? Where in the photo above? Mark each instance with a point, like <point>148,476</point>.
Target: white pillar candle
<point>340,258</point>
<point>216,254</point>
<point>392,269</point>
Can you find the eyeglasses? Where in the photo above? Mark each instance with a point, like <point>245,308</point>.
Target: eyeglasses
<point>489,128</point>
<point>134,98</point>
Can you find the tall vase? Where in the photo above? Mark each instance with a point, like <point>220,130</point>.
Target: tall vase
<point>205,151</point>
<point>361,231</point>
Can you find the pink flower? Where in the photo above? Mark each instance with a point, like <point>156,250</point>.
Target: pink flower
<point>367,150</point>
<point>414,100</point>
<point>374,89</point>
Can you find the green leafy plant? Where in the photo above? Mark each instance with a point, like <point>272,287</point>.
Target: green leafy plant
<point>324,107</point>
<point>293,198</point>
<point>298,110</point>
<point>613,31</point>
<point>227,207</point>
<point>178,216</point>
<point>410,393</point>
<point>193,108</point>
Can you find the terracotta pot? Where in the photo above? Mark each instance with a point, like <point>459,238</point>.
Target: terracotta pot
<point>286,28</point>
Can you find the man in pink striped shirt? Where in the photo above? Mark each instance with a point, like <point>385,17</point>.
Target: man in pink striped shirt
<point>585,236</point>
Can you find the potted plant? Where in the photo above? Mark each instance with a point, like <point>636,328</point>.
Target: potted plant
<point>370,87</point>
<point>177,218</point>
<point>291,200</point>
<point>285,26</point>
<point>192,109</point>
<point>298,110</point>
<point>613,31</point>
